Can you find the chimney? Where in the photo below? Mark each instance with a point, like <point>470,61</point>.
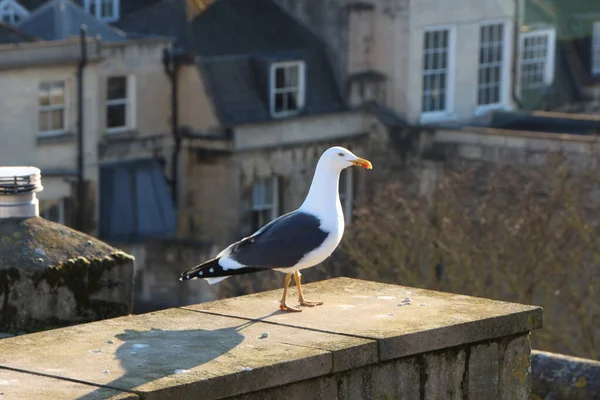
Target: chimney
<point>196,7</point>
<point>18,187</point>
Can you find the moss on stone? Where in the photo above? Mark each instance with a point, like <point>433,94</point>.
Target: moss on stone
<point>83,277</point>
<point>44,251</point>
<point>7,279</point>
<point>24,241</point>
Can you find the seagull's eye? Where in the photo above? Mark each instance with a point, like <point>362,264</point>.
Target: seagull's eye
<point>341,154</point>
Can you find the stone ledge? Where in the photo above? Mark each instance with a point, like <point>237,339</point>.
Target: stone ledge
<point>183,353</point>
<point>26,386</point>
<point>219,349</point>
<point>370,310</point>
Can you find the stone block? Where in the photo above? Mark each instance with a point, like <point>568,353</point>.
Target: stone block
<point>432,321</point>
<point>515,368</point>
<point>324,388</point>
<point>392,380</point>
<point>444,373</point>
<point>484,371</point>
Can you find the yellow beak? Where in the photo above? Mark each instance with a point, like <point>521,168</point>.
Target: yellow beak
<point>361,162</point>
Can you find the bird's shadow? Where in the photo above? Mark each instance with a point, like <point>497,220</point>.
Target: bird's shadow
<point>147,356</point>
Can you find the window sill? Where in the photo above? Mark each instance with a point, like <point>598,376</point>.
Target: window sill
<point>537,87</point>
<point>482,111</point>
<point>286,114</point>
<point>435,117</point>
<point>121,133</point>
<point>52,138</point>
<point>108,20</point>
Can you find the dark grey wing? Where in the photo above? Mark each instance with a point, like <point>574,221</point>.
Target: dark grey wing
<point>281,243</point>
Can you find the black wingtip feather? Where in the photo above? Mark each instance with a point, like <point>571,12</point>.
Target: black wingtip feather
<point>199,271</point>
<point>212,269</point>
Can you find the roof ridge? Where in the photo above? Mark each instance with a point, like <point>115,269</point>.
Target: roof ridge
<point>64,15</point>
<point>135,13</point>
<point>18,32</point>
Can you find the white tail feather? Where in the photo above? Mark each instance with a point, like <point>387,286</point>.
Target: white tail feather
<point>212,281</point>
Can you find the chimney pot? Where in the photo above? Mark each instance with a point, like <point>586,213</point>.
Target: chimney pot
<point>18,188</point>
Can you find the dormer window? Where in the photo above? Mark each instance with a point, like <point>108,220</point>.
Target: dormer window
<point>104,10</point>
<point>12,12</point>
<point>287,89</point>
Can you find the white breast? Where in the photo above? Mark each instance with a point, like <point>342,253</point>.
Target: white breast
<point>335,226</point>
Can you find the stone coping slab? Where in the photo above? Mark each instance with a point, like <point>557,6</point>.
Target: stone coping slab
<point>16,385</point>
<point>432,321</point>
<point>245,344</point>
<point>184,354</point>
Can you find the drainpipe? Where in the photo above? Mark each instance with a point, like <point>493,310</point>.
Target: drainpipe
<point>80,181</point>
<point>516,55</point>
<point>171,66</point>
<point>18,187</point>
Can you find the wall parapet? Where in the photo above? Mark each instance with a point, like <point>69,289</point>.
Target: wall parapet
<point>368,341</point>
<point>560,376</point>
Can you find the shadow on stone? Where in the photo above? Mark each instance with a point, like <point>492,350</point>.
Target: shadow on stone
<point>148,356</point>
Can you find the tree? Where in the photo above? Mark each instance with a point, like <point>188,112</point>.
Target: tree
<point>514,233</point>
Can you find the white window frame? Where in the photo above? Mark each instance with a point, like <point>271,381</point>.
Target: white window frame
<point>129,102</point>
<point>53,107</point>
<point>301,88</point>
<point>549,62</point>
<point>61,210</point>
<point>87,5</point>
<point>12,9</point>
<point>448,111</point>
<point>273,207</point>
<point>347,197</point>
<point>595,59</point>
<point>504,95</point>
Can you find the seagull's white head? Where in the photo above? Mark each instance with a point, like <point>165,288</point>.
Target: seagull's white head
<point>339,158</point>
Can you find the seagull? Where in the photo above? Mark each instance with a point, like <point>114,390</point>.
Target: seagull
<point>294,241</point>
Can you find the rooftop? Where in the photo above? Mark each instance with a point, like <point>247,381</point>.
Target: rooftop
<point>61,19</point>
<point>9,35</point>
<point>235,43</point>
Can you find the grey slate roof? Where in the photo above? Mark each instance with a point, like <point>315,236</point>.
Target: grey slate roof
<point>127,6</point>
<point>163,17</point>
<point>9,34</point>
<point>31,4</point>
<point>237,40</point>
<point>61,19</point>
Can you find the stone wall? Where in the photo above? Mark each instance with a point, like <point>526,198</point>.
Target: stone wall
<point>471,372</point>
<point>53,276</point>
<point>158,264</point>
<point>515,147</point>
<point>368,341</point>
<point>558,376</point>
<point>211,209</point>
<point>219,185</point>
